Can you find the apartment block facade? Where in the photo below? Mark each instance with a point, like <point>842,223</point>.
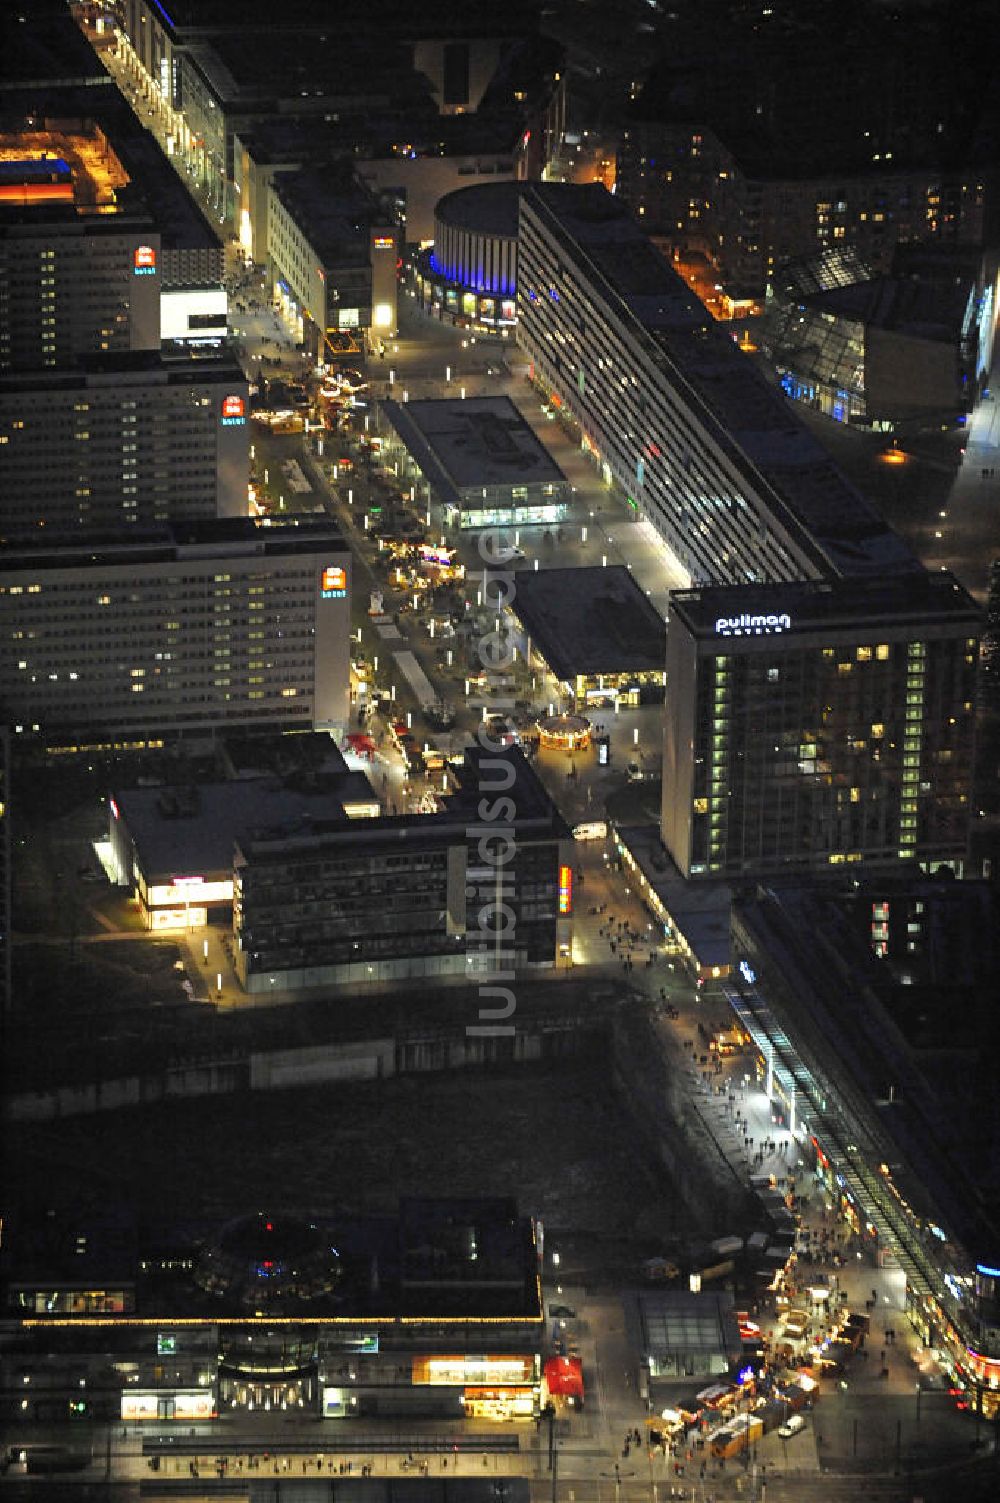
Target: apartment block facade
<point>690,189</point>
<point>671,412</point>
<point>71,287</point>
<point>183,628</point>
<point>124,439</point>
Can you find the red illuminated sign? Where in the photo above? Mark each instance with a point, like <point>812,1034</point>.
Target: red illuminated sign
<point>144,260</point>
<point>234,410</point>
<point>565,889</point>
<point>384,242</point>
<point>333,585</point>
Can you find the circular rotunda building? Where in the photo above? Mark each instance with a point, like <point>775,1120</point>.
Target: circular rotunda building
<point>469,277</point>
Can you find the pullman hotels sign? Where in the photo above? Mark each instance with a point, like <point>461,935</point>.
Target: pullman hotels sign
<point>748,625</point>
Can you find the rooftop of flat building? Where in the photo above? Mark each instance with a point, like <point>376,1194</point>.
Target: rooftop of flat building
<point>590,621</point>
<point>698,911</point>
<point>193,830</point>
<point>665,1322</point>
<point>43,48</point>
<point>744,412</point>
<point>331,208</point>
<point>127,369</point>
<point>435,1258</point>
<point>398,17</point>
<point>486,208</point>
<point>402,129</point>
<point>463,445</point>
<point>338,64</point>
<point>847,606</point>
<point>116,166</point>
<point>165,543</point>
<point>536,816</point>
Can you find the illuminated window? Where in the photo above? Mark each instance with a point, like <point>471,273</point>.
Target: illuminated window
<point>864,654</point>
<point>882,652</point>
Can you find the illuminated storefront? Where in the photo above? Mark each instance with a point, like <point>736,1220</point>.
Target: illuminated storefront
<point>467,309</point>
<point>168,1404</point>
<point>182,903</point>
<point>493,1387</point>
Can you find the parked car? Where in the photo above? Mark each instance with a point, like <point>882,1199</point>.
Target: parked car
<point>792,1426</point>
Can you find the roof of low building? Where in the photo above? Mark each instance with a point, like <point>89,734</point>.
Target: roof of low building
<point>699,911</point>
<point>590,621</point>
<point>486,208</point>
<point>462,446</point>
<point>179,831</point>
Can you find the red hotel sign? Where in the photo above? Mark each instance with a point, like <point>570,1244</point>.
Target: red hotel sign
<point>144,261</point>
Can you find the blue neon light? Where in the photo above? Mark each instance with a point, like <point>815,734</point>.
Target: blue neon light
<point>991,1273</point>
<point>169,19</point>
<point>497,286</point>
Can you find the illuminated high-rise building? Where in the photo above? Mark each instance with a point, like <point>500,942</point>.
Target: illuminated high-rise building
<point>813,725</point>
